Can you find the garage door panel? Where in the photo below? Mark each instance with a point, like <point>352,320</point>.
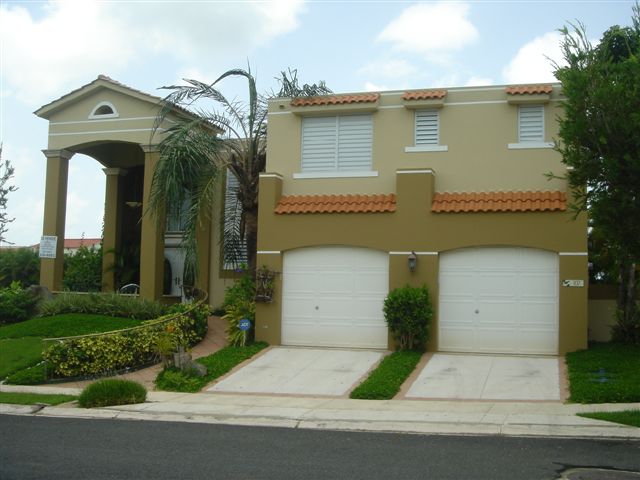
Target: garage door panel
<point>347,285</point>
<point>499,300</point>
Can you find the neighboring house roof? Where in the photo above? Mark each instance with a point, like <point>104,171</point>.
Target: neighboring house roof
<point>499,202</point>
<point>336,204</point>
<point>424,95</point>
<point>528,89</point>
<point>335,99</point>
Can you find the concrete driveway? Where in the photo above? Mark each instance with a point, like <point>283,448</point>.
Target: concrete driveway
<point>303,371</point>
<point>488,377</point>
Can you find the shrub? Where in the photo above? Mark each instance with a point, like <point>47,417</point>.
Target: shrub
<point>20,265</point>
<point>16,304</point>
<point>626,331</point>
<point>175,380</point>
<point>236,312</point>
<point>105,393</point>
<point>110,304</point>
<point>243,290</point>
<point>408,313</point>
<point>83,270</point>
<point>115,351</point>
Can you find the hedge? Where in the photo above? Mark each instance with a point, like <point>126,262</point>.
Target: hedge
<point>99,354</point>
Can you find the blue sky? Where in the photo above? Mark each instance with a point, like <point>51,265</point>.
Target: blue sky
<point>50,48</point>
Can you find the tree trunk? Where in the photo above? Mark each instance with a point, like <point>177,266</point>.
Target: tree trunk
<point>627,308</point>
<point>251,236</point>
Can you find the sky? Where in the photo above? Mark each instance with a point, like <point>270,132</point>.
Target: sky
<point>48,49</point>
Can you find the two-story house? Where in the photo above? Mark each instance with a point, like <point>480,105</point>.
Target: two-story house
<point>368,192</point>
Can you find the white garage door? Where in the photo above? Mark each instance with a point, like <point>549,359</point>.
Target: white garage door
<point>333,297</point>
<point>498,300</point>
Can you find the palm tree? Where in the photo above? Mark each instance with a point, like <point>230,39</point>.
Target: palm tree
<point>193,156</point>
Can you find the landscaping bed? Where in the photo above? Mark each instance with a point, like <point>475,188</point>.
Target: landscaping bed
<point>385,381</point>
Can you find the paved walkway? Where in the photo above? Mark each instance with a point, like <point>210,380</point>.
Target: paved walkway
<point>212,342</point>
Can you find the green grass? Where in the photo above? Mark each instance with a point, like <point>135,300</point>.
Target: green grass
<point>625,417</point>
<point>385,381</point>
<point>66,325</point>
<point>33,398</point>
<point>112,391</point>
<point>217,364</point>
<point>19,353</point>
<point>21,343</point>
<point>605,373</point>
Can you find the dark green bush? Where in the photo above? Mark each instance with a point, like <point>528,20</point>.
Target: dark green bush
<point>408,313</point>
<point>83,270</point>
<point>105,393</point>
<point>109,304</point>
<point>16,304</point>
<point>20,265</point>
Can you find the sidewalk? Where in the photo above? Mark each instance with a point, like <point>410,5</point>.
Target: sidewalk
<point>403,416</point>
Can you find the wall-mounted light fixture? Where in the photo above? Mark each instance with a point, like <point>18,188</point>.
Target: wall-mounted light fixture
<point>413,261</point>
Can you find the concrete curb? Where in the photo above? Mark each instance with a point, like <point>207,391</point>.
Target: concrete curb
<point>547,419</point>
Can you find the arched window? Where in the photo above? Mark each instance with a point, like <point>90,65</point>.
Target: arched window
<point>104,110</point>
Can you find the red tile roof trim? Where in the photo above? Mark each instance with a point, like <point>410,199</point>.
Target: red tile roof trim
<point>499,202</point>
<point>425,95</point>
<point>528,89</point>
<point>335,100</point>
<point>336,204</point>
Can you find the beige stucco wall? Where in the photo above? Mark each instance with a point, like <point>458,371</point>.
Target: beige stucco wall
<point>476,124</point>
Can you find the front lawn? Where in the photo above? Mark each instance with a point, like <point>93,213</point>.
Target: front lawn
<point>16,398</point>
<point>66,325</point>
<point>625,417</point>
<point>21,343</point>
<point>218,363</point>
<point>605,373</point>
<point>385,381</point>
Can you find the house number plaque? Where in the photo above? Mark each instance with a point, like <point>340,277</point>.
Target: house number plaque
<point>573,283</point>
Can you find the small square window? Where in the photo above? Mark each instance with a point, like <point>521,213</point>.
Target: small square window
<point>530,123</point>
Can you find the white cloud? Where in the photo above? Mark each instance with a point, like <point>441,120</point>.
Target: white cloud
<point>532,63</point>
<point>373,87</point>
<point>75,40</point>
<point>478,81</point>
<point>432,30</point>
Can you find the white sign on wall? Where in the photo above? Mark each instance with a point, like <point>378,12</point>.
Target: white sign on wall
<point>573,283</point>
<point>48,244</point>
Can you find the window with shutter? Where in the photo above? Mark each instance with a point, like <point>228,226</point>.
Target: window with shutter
<point>427,126</point>
<point>336,144</point>
<point>531,123</point>
<point>234,247</point>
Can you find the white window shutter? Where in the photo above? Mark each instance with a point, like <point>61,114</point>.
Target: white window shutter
<point>427,126</point>
<point>234,254</point>
<point>354,142</point>
<point>531,123</point>
<point>319,144</point>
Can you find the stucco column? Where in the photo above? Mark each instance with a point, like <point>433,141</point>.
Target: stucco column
<point>55,210</point>
<point>111,237</point>
<point>152,241</point>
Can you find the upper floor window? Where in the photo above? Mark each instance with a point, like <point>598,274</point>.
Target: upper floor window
<point>531,123</point>
<point>103,110</point>
<point>339,145</point>
<point>530,128</point>
<point>177,217</point>
<point>427,132</point>
<point>234,244</point>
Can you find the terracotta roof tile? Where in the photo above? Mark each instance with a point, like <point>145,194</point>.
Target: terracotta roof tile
<point>336,204</point>
<point>335,99</point>
<point>528,89</point>
<point>424,95</point>
<point>499,202</point>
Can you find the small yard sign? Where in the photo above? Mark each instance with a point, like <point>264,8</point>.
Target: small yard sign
<point>48,244</point>
<point>245,324</point>
<point>573,283</point>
